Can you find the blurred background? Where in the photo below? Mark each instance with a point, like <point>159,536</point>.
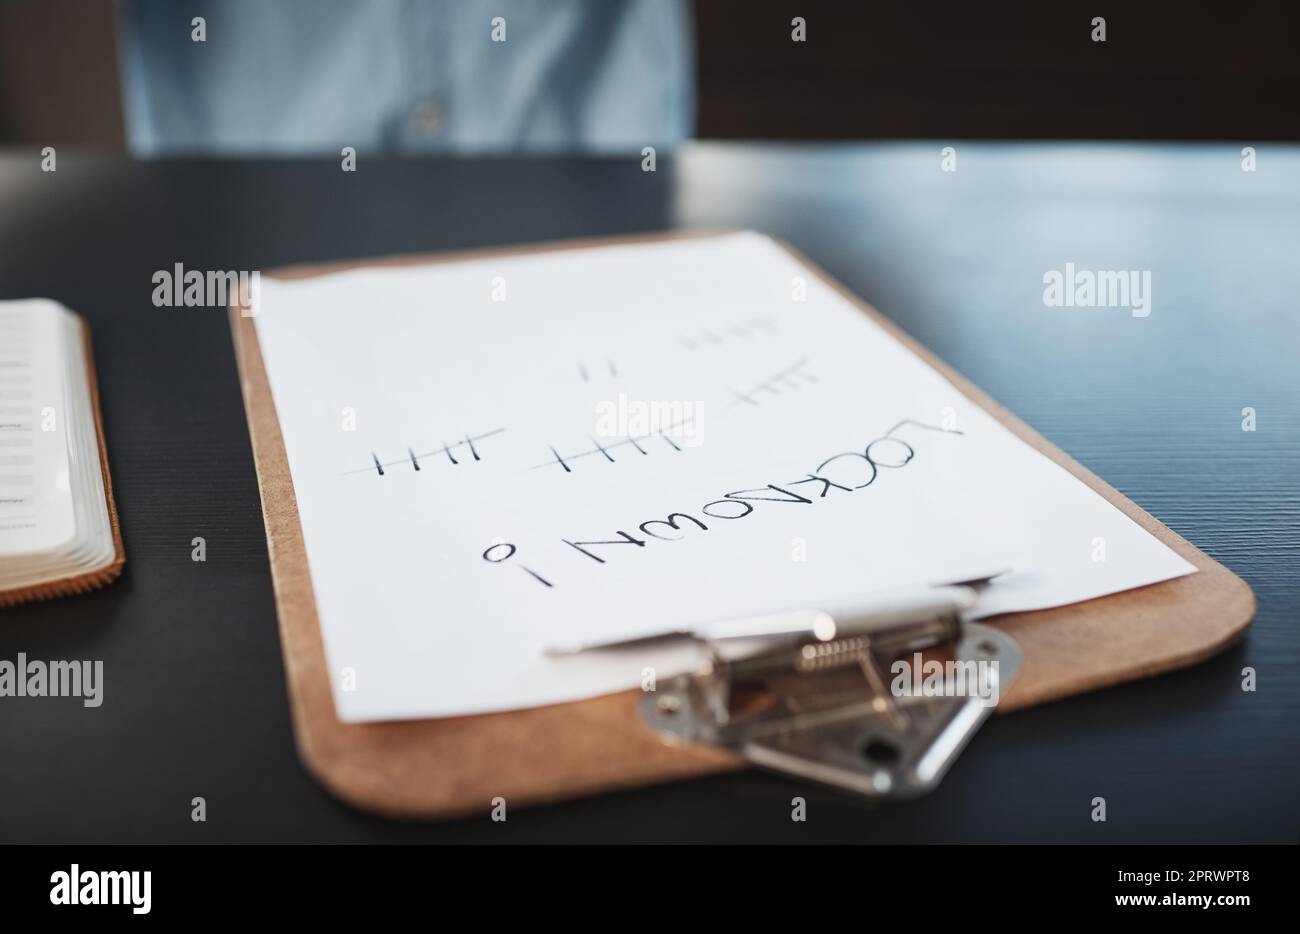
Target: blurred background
<point>1011,70</point>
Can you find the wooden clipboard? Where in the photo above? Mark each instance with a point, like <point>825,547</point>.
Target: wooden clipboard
<point>456,766</point>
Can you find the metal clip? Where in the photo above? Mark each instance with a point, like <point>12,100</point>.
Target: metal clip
<point>820,694</point>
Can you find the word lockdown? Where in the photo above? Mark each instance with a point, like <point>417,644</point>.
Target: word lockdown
<point>739,504</point>
<point>853,470</point>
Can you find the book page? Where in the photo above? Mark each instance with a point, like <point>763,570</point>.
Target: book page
<point>502,455</point>
<point>36,502</point>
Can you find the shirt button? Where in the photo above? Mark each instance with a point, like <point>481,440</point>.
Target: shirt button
<point>428,117</point>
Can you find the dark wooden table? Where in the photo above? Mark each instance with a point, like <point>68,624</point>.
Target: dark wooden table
<point>195,701</point>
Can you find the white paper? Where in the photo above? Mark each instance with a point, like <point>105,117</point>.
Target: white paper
<point>53,511</point>
<point>36,511</point>
<point>608,388</point>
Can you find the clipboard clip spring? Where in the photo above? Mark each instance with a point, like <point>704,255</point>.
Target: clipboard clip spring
<point>823,697</point>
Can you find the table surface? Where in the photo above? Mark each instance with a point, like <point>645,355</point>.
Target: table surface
<point>195,700</point>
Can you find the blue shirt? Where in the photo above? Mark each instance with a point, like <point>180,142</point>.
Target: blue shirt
<point>406,76</point>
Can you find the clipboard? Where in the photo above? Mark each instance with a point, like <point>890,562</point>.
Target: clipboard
<point>458,766</point>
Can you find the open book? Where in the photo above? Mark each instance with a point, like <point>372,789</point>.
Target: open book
<point>58,525</point>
